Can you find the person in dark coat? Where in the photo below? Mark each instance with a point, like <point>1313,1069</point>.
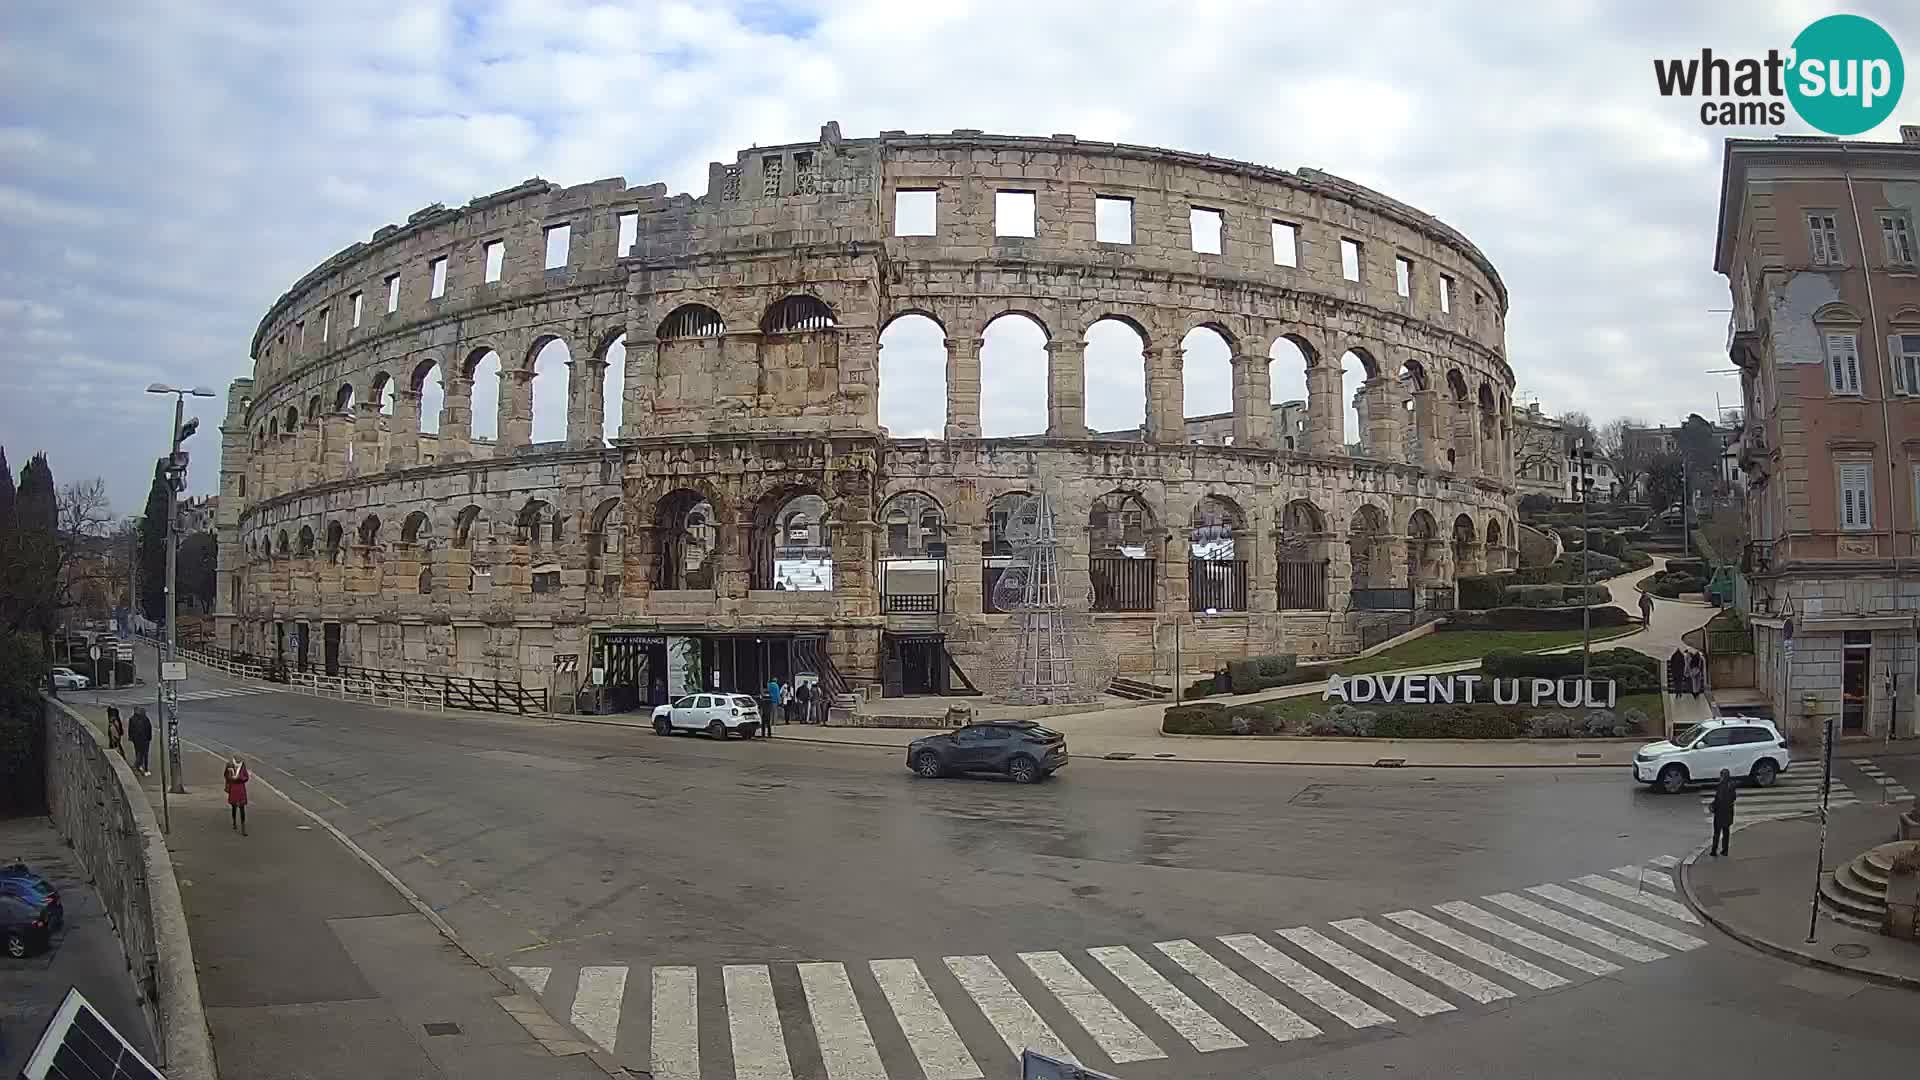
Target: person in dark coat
<point>1723,799</point>
<point>1696,674</point>
<point>1646,609</point>
<point>116,729</point>
<point>140,733</point>
<point>1677,672</point>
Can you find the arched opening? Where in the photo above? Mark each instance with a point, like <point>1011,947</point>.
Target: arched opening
<point>369,535</point>
<point>691,321</point>
<point>433,396</point>
<point>343,399</point>
<point>606,547</point>
<point>792,543</point>
<point>1013,377</point>
<point>797,314</point>
<point>1356,370</point>
<point>417,528</point>
<point>483,372</point>
<point>314,411</point>
<point>1415,424</point>
<point>1300,546</point>
<point>1216,564</point>
<point>1370,558</point>
<point>273,428</point>
<point>913,572</point>
<point>997,550</point>
<point>1425,556</point>
<point>336,538</point>
<point>1496,553</point>
<point>913,378</point>
<point>613,389</point>
<point>306,541</point>
<point>1287,392</point>
<point>1490,449</point>
<point>547,392</point>
<point>1116,379</point>
<point>1123,544</point>
<point>689,361</point>
<point>1206,383</point>
<point>292,423</point>
<point>1466,555</point>
<point>685,541</point>
<point>1460,424</point>
<point>537,525</point>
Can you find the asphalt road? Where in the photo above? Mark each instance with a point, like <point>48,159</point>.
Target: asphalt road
<point>627,875</point>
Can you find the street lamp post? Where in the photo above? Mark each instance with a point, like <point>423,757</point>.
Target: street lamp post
<point>176,471</point>
<point>1583,458</point>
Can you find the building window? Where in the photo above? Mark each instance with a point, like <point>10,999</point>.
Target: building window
<point>1897,232</point>
<point>1823,239</point>
<point>1906,363</point>
<point>1446,293</point>
<point>770,169</point>
<point>356,299</point>
<point>438,288</point>
<point>1286,244</point>
<point>393,293</point>
<point>1205,227</point>
<point>546,581</point>
<point>914,212</point>
<point>1112,220</point>
<point>1013,213</point>
<point>496,259</point>
<point>629,233</point>
<point>559,241</point>
<point>326,324</point>
<point>1843,364</point>
<point>1350,259</point>
<point>1856,496</point>
<point>1402,276</point>
<point>300,333</point>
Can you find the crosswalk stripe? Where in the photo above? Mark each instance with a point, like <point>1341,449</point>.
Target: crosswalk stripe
<point>1193,1023</point>
<point>1670,908</point>
<point>846,1046</point>
<point>1119,1038</point>
<point>1668,861</point>
<point>1274,1018</point>
<point>676,1023</point>
<point>929,1033</point>
<point>1625,920</point>
<point>534,977</point>
<point>1482,919</point>
<point>1474,949</point>
<point>1366,972</point>
<point>1445,972</point>
<point>1644,876</point>
<point>753,1022</point>
<point>596,1004</point>
<point>1585,931</point>
<point>1020,1027</point>
<point>1305,981</point>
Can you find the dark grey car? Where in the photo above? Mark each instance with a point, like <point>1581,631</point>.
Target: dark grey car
<point>1021,750</point>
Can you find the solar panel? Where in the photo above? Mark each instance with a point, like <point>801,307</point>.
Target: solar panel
<point>79,1044</point>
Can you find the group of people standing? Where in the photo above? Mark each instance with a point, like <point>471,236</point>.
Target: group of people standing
<point>1686,673</point>
<point>138,730</point>
<point>790,704</point>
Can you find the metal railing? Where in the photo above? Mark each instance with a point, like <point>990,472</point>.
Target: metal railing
<point>1217,585</point>
<point>1122,584</point>
<point>377,686</point>
<point>1303,586</point>
<point>1381,600</point>
<point>910,603</point>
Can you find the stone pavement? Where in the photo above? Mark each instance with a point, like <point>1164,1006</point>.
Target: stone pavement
<point>1761,892</point>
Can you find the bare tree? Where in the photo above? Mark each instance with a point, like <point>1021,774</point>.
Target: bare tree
<point>1629,457</point>
<point>1577,426</point>
<point>1536,448</point>
<point>88,573</point>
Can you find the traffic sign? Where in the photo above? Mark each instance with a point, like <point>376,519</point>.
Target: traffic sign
<point>126,652</point>
<point>93,654</point>
<point>173,671</point>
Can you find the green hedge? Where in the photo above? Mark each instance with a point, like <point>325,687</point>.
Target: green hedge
<point>1402,722</point>
<point>1249,680</point>
<point>1480,591</point>
<point>1522,618</point>
<point>1633,671</point>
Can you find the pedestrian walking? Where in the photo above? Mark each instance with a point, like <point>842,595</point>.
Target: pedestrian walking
<point>1696,674</point>
<point>115,730</point>
<point>1677,673</point>
<point>140,733</point>
<point>804,695</point>
<point>786,703</point>
<point>236,777</point>
<point>1723,799</point>
<point>1646,609</point>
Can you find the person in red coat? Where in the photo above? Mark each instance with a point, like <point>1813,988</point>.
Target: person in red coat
<point>236,779</point>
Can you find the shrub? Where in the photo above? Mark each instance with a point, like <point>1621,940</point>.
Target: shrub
<point>1480,591</point>
<point>1205,687</point>
<point>1553,725</point>
<point>1535,504</point>
<point>1509,664</point>
<point>1200,718</point>
<point>1344,721</point>
<point>1635,559</point>
<point>1518,618</point>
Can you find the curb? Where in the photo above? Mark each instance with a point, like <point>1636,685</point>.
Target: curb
<point>1781,951</point>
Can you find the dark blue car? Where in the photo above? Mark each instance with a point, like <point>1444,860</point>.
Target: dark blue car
<point>17,882</point>
<point>1021,750</point>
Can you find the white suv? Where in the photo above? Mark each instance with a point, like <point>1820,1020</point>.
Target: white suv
<point>1743,745</point>
<point>69,679</point>
<point>719,715</point>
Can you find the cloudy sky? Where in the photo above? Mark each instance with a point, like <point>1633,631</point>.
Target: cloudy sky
<point>167,170</point>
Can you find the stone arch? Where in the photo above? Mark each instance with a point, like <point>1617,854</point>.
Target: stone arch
<point>1114,377</point>
<point>797,313</point>
<point>336,537</point>
<point>314,409</point>
<point>280,546</point>
<point>684,540</point>
<point>536,524</point>
<point>343,399</point>
<point>910,521</point>
<point>273,427</point>
<point>369,533</point>
<point>306,541</point>
<point>691,321</point>
<point>792,540</point>
<point>463,524</point>
<point>1206,382</point>
<point>548,390</point>
<point>923,312</point>
<point>913,376</point>
<point>1218,546</point>
<point>1425,554</point>
<point>1124,545</point>
<point>1496,544</point>
<point>613,387</point>
<point>994,543</point>
<point>416,528</point>
<point>1013,381</point>
<point>1369,548</point>
<point>293,420</point>
<point>1303,551</point>
<point>483,370</point>
<point>1290,390</point>
<point>606,545</point>
<point>1466,547</point>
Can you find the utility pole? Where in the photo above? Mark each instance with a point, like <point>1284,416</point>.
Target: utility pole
<point>1583,457</point>
<point>176,476</point>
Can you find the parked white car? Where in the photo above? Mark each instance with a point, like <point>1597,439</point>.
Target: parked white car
<point>69,679</point>
<point>1748,747</point>
<point>719,715</point>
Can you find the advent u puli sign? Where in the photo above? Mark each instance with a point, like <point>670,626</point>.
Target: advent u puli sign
<point>1469,690</point>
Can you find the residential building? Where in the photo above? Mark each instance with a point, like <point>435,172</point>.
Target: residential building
<point>196,514</point>
<point>1539,453</point>
<point>1605,482</point>
<point>1816,239</point>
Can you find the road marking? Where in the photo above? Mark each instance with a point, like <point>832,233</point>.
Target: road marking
<point>929,1033</point>
<point>1195,1024</point>
<point>1668,861</point>
<point>1585,931</point>
<point>753,1022</point>
<point>1274,1018</point>
<point>596,1005</point>
<point>1474,949</point>
<point>1482,919</point>
<point>1119,1038</point>
<point>1305,981</point>
<point>1670,908</point>
<point>534,977</point>
<point>1643,876</point>
<point>1366,972</point>
<point>1445,972</point>
<point>846,1046</point>
<point>1625,920</point>
<point>1019,1026</point>
<point>676,1023</point>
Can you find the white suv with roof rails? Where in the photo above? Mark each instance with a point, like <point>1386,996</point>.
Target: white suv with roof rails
<point>719,715</point>
<point>1746,746</point>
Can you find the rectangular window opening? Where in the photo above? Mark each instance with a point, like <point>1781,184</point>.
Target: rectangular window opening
<point>1112,219</point>
<point>914,212</point>
<point>1350,259</point>
<point>1013,213</point>
<point>1446,294</point>
<point>358,304</point>
<point>770,168</point>
<point>1823,239</point>
<point>326,324</point>
<point>1286,244</point>
<point>629,233</point>
<point>496,259</point>
<point>438,288</point>
<point>1897,231</point>
<point>393,293</point>
<point>1856,496</point>
<point>559,240</point>
<point>1402,276</point>
<point>1843,364</point>
<point>1206,228</point>
<point>300,332</point>
<point>1906,364</point>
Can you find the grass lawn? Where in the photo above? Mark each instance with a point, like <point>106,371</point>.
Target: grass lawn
<point>1448,646</point>
<point>1283,709</point>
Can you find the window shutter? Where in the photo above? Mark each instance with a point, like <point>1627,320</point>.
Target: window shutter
<point>1856,496</point>
<point>1817,236</point>
<point>1898,358</point>
<point>1853,372</point>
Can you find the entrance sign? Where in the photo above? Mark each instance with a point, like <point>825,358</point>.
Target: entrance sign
<point>173,671</point>
<point>1467,689</point>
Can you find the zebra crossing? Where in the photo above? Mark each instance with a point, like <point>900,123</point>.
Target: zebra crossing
<point>1894,790</point>
<point>1796,792</point>
<point>968,1017</point>
<point>145,697</point>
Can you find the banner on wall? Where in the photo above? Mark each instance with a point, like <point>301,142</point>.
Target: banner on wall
<point>683,666</point>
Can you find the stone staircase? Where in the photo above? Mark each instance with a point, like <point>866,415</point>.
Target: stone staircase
<point>1136,690</point>
<point>1855,893</point>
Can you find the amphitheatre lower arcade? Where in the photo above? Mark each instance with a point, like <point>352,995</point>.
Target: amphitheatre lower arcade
<point>560,431</point>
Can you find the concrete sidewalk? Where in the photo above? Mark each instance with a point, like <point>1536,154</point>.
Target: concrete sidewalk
<point>314,966</point>
<point>1761,893</point>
